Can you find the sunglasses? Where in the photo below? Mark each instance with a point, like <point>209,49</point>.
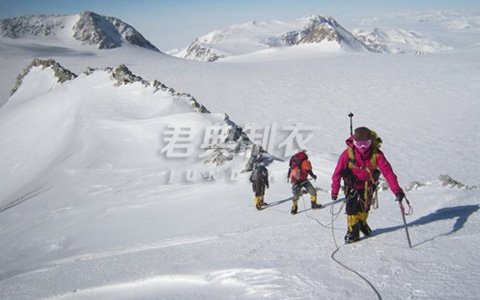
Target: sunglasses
<point>362,144</point>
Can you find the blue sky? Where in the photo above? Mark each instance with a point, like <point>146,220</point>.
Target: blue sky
<point>175,23</point>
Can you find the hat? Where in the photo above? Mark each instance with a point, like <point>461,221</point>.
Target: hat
<point>362,134</point>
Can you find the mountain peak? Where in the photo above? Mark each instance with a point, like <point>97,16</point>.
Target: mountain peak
<point>61,74</point>
<point>88,28</point>
<point>107,32</point>
<point>317,29</point>
<point>35,25</point>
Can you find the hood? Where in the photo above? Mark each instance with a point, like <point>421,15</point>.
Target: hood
<point>349,142</point>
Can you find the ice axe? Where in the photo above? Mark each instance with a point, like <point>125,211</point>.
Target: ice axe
<point>404,213</point>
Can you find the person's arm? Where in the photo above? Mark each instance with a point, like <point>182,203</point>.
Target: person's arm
<point>387,172</point>
<point>342,164</point>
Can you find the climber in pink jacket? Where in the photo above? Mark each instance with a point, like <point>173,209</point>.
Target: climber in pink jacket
<point>360,166</point>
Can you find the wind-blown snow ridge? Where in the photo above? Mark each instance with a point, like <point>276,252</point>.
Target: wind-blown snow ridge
<point>443,180</point>
<point>88,28</point>
<point>226,284</point>
<point>108,109</point>
<point>123,76</point>
<point>60,72</point>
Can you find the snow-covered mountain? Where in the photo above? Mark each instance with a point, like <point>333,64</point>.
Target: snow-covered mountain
<point>87,28</point>
<point>255,36</point>
<point>320,29</point>
<point>62,109</point>
<point>398,41</point>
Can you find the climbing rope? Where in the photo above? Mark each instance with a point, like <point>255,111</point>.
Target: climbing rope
<point>335,216</point>
<point>329,225</point>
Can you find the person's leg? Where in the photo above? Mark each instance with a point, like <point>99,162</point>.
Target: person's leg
<point>363,216</point>
<point>313,195</point>
<point>262,197</point>
<point>259,191</point>
<point>353,222</point>
<point>297,191</point>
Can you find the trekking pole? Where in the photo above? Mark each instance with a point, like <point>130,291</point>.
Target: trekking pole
<point>410,211</point>
<point>350,115</point>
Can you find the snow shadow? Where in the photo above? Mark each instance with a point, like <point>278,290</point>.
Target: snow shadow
<point>460,213</point>
<point>278,202</point>
<point>304,192</point>
<point>24,198</point>
<point>48,50</point>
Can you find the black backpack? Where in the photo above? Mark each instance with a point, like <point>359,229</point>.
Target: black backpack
<point>259,171</point>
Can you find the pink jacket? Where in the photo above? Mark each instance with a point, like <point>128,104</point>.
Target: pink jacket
<point>362,174</point>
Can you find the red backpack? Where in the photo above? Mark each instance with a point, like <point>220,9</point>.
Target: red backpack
<point>297,159</point>
<point>296,164</point>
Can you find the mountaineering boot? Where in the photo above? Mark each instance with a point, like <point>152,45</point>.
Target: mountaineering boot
<point>262,203</point>
<point>294,207</point>
<point>351,237</point>
<point>258,200</point>
<point>315,205</point>
<point>364,228</point>
<point>353,229</point>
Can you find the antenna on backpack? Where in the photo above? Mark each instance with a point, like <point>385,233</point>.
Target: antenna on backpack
<point>350,115</point>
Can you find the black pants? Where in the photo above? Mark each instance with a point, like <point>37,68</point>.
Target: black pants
<point>258,189</point>
<point>356,203</point>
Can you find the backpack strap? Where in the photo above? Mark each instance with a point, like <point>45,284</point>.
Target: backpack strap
<point>352,162</point>
<point>373,160</point>
<point>351,158</point>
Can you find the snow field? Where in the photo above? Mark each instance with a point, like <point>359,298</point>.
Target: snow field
<point>87,211</point>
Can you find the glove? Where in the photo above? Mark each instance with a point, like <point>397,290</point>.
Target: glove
<point>399,196</point>
<point>314,177</point>
<point>334,197</point>
<point>268,186</point>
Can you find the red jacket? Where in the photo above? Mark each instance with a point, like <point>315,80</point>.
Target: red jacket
<point>361,174</point>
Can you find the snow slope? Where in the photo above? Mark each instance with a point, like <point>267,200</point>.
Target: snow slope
<point>92,211</point>
<point>53,119</point>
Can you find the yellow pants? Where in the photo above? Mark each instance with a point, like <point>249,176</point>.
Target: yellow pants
<point>352,220</point>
